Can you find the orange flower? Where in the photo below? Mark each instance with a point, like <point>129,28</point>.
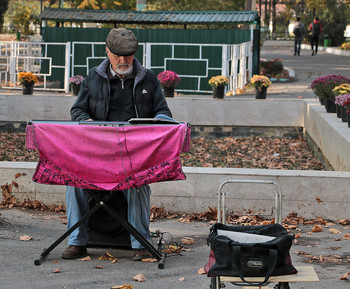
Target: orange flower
<point>27,78</point>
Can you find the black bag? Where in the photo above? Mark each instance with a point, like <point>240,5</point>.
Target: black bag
<point>315,29</point>
<point>297,32</point>
<point>254,259</point>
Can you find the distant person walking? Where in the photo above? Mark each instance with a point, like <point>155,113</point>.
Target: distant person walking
<point>316,29</point>
<point>298,30</point>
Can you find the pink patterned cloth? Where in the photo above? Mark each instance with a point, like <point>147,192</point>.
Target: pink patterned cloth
<point>105,157</point>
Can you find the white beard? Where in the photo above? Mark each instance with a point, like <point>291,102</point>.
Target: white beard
<point>124,72</point>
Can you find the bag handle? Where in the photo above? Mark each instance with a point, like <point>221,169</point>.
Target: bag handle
<point>272,260</point>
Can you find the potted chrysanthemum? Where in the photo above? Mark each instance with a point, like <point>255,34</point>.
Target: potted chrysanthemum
<point>261,83</point>
<point>339,92</point>
<point>27,80</point>
<point>218,84</point>
<point>168,80</point>
<point>323,88</point>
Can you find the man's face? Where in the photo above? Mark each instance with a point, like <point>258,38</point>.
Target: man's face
<point>120,64</point>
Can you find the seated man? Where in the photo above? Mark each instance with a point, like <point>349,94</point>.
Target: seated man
<point>118,89</point>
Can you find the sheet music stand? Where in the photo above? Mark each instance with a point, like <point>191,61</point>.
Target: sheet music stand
<point>102,203</point>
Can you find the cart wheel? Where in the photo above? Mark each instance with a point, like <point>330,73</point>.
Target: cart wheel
<point>216,284</point>
<point>282,285</point>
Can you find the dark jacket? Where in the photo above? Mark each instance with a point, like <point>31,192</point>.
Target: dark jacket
<point>301,27</point>
<point>315,28</point>
<point>94,95</point>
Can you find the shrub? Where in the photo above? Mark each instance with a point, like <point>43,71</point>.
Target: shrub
<point>271,67</point>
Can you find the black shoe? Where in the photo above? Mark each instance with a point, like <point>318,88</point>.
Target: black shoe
<point>140,254</point>
<point>298,53</point>
<point>313,53</point>
<point>294,53</point>
<point>74,252</point>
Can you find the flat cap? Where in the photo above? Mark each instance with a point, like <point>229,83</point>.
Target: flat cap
<point>121,41</point>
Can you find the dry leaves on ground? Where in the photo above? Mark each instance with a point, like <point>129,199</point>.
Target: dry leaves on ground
<point>251,152</point>
<point>187,241</point>
<point>172,249</point>
<point>201,271</point>
<point>335,259</point>
<point>345,276</point>
<point>25,238</point>
<point>317,228</point>
<point>106,256</point>
<point>87,258</point>
<point>56,270</point>
<point>125,286</point>
<point>149,260</point>
<point>139,278</point>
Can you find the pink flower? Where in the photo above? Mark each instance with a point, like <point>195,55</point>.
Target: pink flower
<point>168,78</point>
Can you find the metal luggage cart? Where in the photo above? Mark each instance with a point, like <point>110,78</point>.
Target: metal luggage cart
<point>305,273</point>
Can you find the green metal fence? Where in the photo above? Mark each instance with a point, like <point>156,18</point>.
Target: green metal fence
<point>194,67</point>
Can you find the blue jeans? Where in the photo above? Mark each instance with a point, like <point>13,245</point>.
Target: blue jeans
<point>297,44</point>
<point>138,199</point>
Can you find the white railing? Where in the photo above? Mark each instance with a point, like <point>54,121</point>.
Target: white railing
<point>236,62</point>
<point>18,57</point>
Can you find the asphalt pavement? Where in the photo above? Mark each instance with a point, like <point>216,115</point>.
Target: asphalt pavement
<point>327,252</point>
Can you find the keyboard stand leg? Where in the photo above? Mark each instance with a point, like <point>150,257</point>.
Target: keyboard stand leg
<point>65,235</point>
<point>127,226</point>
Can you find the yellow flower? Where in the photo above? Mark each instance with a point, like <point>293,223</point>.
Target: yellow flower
<point>259,81</point>
<point>220,80</point>
<point>27,78</point>
<point>341,89</point>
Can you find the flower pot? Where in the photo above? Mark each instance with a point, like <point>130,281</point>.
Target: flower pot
<point>330,105</point>
<point>348,121</point>
<point>338,110</point>
<point>27,89</point>
<point>344,115</point>
<point>218,91</point>
<point>168,91</point>
<point>261,93</point>
<point>322,101</point>
<point>75,88</point>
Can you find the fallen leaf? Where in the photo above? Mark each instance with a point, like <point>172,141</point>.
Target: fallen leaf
<point>345,276</point>
<point>87,258</point>
<point>344,222</point>
<point>318,199</point>
<point>139,278</point>
<point>125,286</point>
<point>99,267</point>
<point>56,270</point>
<point>201,271</point>
<point>25,238</point>
<point>186,250</point>
<point>187,241</point>
<point>181,279</point>
<point>149,260</point>
<point>347,237</point>
<point>55,261</point>
<point>172,249</point>
<point>334,231</point>
<point>317,228</point>
<point>297,235</point>
<point>106,256</point>
<point>115,260</point>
